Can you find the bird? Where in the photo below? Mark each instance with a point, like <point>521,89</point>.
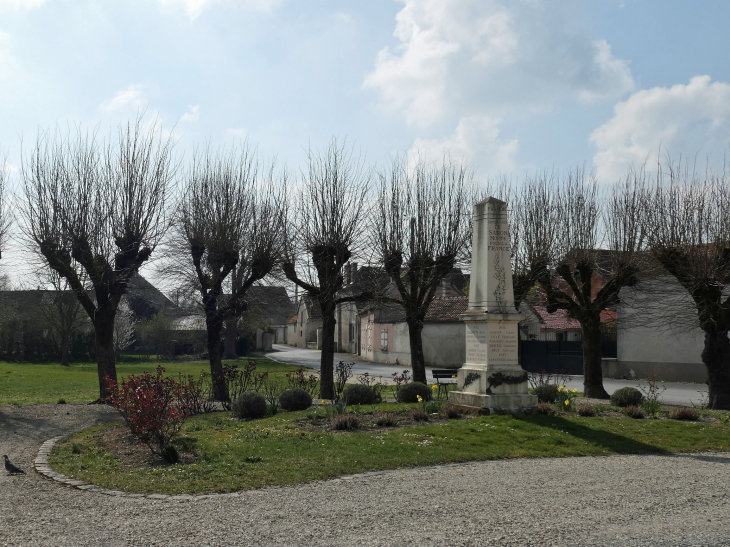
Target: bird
<point>10,468</point>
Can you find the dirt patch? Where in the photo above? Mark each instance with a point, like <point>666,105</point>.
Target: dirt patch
<point>133,454</point>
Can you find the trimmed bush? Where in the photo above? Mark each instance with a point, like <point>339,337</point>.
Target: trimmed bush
<point>546,393</point>
<point>586,411</point>
<point>345,422</point>
<point>249,406</point>
<point>170,455</point>
<point>626,396</point>
<point>635,412</point>
<point>408,393</point>
<point>359,394</point>
<point>295,399</point>
<point>684,413</point>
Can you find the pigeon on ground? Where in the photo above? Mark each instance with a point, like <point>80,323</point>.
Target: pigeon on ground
<point>11,469</point>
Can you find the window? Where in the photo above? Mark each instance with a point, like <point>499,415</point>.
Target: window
<point>352,332</point>
<point>384,339</point>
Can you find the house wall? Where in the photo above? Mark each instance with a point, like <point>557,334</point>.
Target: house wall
<point>291,330</point>
<point>444,344</point>
<point>346,327</point>
<point>652,341</point>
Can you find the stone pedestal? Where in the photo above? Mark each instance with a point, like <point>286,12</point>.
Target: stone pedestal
<point>492,379</point>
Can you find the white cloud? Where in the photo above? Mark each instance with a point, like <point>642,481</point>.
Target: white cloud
<point>194,8</point>
<point>463,57</point>
<point>133,95</point>
<point>191,114</point>
<point>476,138</point>
<point>682,119</point>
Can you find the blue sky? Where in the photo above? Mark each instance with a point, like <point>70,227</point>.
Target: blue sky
<point>510,86</point>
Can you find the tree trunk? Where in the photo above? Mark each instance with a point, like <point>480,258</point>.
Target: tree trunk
<point>65,343</point>
<point>418,361</point>
<point>105,363</point>
<point>592,370</point>
<point>229,347</point>
<point>716,357</point>
<point>220,390</point>
<point>326,364</point>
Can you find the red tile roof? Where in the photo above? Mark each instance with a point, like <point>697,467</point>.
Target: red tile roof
<point>447,309</point>
<point>561,321</point>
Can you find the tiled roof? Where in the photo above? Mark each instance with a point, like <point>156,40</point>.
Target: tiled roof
<point>561,321</point>
<point>447,309</point>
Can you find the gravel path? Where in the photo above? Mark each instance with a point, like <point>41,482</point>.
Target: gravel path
<point>619,500</point>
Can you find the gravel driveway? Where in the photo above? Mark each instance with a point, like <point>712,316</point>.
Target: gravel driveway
<point>619,500</point>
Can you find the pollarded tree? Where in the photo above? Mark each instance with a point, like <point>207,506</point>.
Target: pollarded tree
<point>563,227</point>
<point>95,209</point>
<point>688,225</point>
<point>421,230</point>
<point>230,221</point>
<point>326,231</point>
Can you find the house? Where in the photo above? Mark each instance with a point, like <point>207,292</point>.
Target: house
<point>308,324</point>
<point>539,324</point>
<point>384,336</point>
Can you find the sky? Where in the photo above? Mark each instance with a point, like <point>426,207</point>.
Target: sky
<point>510,86</point>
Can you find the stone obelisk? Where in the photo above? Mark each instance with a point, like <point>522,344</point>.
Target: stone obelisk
<point>491,379</point>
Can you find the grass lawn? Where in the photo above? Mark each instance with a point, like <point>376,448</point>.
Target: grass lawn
<point>290,448</point>
<point>34,383</point>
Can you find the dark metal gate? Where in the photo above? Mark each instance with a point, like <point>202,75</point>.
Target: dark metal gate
<point>558,355</point>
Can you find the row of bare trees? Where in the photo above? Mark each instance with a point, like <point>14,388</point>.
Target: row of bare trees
<point>94,210</point>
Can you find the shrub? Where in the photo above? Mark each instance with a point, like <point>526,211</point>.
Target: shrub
<point>547,409</point>
<point>409,393</point>
<point>345,422</point>
<point>684,413</point>
<point>170,455</point>
<point>546,393</point>
<point>359,394</point>
<point>419,415</point>
<point>153,407</point>
<point>451,411</point>
<point>61,401</point>
<point>295,399</point>
<point>249,406</point>
<point>626,396</point>
<point>298,379</point>
<point>587,411</point>
<point>651,406</point>
<point>635,412</point>
<point>385,420</point>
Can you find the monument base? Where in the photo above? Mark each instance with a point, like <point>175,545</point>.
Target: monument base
<point>484,388</point>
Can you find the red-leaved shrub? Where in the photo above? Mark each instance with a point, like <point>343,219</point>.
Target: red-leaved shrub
<point>154,407</point>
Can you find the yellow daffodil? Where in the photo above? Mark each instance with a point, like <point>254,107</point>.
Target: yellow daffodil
<point>420,399</point>
<point>561,388</point>
<point>567,401</point>
<point>434,386</point>
<point>453,376</point>
<point>575,390</point>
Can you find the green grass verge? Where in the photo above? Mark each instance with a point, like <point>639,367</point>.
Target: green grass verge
<point>289,455</point>
<point>47,383</point>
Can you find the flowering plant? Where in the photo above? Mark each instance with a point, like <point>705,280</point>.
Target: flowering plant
<point>565,398</point>
<point>153,407</point>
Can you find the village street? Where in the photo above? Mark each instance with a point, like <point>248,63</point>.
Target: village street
<point>676,393</point>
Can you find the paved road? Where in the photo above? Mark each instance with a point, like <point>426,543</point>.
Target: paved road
<point>675,394</point>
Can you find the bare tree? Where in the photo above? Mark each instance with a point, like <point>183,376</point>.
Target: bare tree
<point>229,222</point>
<point>5,215</point>
<point>688,224</point>
<point>327,230</point>
<point>422,229</point>
<point>96,208</point>
<point>563,227</point>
